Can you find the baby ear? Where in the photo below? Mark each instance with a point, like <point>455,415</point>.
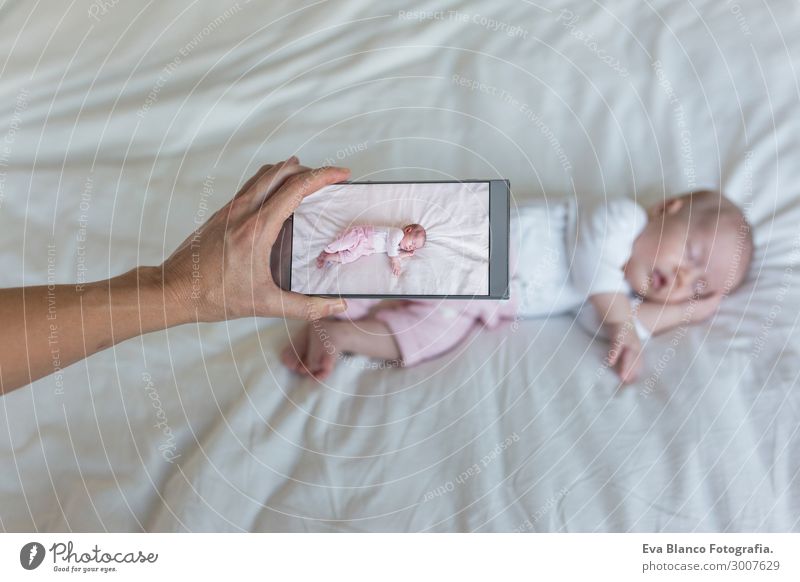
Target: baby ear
<point>673,205</point>
<point>667,207</point>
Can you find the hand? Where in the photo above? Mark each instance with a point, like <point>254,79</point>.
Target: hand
<point>396,266</point>
<point>623,354</point>
<point>701,308</point>
<point>222,271</point>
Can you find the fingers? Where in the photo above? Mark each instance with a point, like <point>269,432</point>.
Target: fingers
<point>297,306</point>
<point>272,181</point>
<point>266,181</point>
<point>625,366</point>
<point>620,367</point>
<point>614,353</point>
<point>284,202</point>
<point>253,179</point>
<point>628,368</point>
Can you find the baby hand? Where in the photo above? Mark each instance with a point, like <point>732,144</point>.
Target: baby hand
<point>623,354</point>
<point>702,308</point>
<point>396,267</point>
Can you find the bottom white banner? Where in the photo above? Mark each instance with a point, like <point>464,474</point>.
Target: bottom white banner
<point>388,557</point>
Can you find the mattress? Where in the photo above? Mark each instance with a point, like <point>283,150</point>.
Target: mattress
<point>124,123</point>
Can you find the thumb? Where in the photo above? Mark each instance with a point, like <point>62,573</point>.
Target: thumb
<point>297,306</point>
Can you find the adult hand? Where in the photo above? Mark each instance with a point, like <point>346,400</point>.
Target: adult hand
<point>222,271</point>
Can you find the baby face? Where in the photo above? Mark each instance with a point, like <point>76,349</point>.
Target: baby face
<point>413,238</point>
<point>676,258</point>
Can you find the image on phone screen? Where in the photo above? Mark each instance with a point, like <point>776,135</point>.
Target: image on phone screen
<point>406,239</point>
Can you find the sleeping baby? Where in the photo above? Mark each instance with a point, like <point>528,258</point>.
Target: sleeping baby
<point>627,271</point>
<point>358,241</point>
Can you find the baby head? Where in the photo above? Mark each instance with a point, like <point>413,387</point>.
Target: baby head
<point>414,237</point>
<point>693,245</point>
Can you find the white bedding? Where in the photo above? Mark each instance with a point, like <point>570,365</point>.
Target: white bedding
<point>113,123</point>
<point>454,260</point>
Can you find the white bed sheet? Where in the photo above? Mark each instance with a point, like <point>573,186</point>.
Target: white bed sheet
<point>110,139</point>
<point>454,260</point>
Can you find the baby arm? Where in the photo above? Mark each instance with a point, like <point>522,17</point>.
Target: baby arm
<point>318,347</point>
<point>616,313</point>
<point>397,268</point>
<point>660,317</point>
<point>396,264</point>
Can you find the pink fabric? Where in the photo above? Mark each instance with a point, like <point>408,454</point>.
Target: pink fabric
<point>357,308</point>
<point>353,243</point>
<point>425,329</point>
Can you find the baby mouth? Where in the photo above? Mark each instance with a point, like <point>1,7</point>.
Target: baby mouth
<point>658,279</point>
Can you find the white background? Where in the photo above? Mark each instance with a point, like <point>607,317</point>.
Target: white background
<point>400,557</point>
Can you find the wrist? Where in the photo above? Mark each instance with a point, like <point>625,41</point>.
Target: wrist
<point>126,306</point>
<point>160,305</point>
<point>620,324</point>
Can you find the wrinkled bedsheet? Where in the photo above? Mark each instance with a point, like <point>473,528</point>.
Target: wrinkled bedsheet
<point>125,124</point>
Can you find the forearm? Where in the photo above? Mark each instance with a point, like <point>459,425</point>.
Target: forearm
<point>367,337</point>
<point>660,317</point>
<point>612,308</point>
<point>46,328</point>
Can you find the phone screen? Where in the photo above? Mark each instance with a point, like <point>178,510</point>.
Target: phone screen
<point>384,239</point>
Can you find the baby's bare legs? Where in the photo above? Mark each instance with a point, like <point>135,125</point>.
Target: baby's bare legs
<point>325,257</point>
<point>320,344</point>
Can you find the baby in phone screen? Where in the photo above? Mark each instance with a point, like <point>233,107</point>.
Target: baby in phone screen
<point>362,240</point>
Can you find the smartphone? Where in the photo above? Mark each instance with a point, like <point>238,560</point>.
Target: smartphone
<point>420,240</point>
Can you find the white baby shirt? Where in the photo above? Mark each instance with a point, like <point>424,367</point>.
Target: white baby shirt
<point>387,240</point>
<point>567,252</point>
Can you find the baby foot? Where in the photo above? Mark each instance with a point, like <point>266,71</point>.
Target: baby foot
<point>312,351</point>
<point>320,357</point>
<point>293,354</point>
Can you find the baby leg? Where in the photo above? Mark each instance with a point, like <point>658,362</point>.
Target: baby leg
<point>303,352</point>
<point>343,257</point>
<point>316,350</point>
<point>325,258</point>
<point>409,331</point>
<point>424,330</point>
<point>349,255</point>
